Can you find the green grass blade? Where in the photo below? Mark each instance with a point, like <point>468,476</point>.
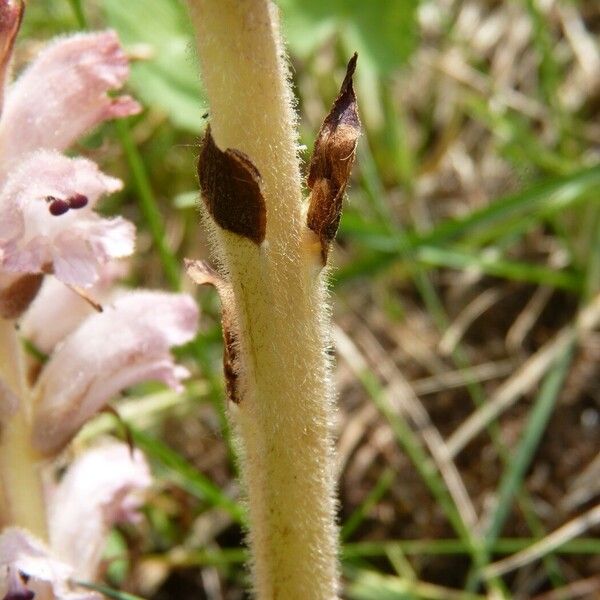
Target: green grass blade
<point>108,591</point>
<point>512,478</point>
<point>556,190</point>
<point>79,14</point>
<point>148,204</point>
<point>498,267</point>
<point>443,547</point>
<point>551,193</point>
<point>546,197</point>
<point>370,585</point>
<point>373,497</point>
<point>411,444</point>
<point>184,474</point>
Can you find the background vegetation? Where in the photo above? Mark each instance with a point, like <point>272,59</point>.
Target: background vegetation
<point>466,296</point>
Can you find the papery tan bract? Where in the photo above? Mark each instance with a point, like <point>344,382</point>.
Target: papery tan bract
<point>203,274</point>
<point>331,163</point>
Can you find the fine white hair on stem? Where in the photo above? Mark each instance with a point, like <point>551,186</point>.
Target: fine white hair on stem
<point>271,248</point>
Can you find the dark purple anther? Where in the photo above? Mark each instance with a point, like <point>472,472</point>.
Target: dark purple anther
<point>58,207</point>
<point>77,201</point>
<point>17,586</point>
<point>20,595</point>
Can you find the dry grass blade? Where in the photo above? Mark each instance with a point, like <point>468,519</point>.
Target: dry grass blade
<point>584,588</point>
<point>526,320</point>
<point>354,430</point>
<point>371,585</point>
<point>470,313</point>
<point>404,400</point>
<point>524,379</point>
<point>455,67</point>
<point>462,377</point>
<point>551,542</point>
<point>585,47</point>
<point>584,487</point>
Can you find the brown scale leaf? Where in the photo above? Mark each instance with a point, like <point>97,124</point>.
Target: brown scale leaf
<point>331,163</point>
<point>231,190</point>
<point>16,297</point>
<point>11,15</point>
<point>202,274</point>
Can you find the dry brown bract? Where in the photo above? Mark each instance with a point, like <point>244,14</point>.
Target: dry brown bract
<point>231,190</point>
<point>331,163</point>
<point>17,295</point>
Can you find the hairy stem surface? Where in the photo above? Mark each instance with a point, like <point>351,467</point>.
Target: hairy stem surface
<point>285,400</point>
<point>21,494</point>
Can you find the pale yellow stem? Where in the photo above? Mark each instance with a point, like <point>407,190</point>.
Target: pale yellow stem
<point>284,417</point>
<point>21,494</point>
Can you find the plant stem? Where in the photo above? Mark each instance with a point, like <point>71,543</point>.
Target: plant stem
<point>22,500</point>
<point>285,410</point>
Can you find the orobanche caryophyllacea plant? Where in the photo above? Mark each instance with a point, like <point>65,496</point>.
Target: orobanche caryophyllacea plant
<point>56,254</point>
<point>272,248</point>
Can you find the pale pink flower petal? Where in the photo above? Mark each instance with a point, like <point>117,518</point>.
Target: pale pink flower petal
<point>63,94</point>
<point>72,245</point>
<point>22,556</point>
<point>101,488</point>
<point>58,310</point>
<point>128,343</point>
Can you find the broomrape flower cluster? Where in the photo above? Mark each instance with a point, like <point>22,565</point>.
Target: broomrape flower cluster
<point>53,246</point>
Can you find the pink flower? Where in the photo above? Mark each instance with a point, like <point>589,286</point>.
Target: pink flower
<point>58,310</point>
<point>47,223</point>
<point>103,487</point>
<point>73,245</point>
<point>63,94</point>
<point>48,226</point>
<point>125,344</point>
<point>31,571</point>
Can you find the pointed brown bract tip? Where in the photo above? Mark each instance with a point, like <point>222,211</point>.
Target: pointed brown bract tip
<point>331,162</point>
<point>16,297</point>
<point>202,274</point>
<point>11,15</point>
<point>231,190</point>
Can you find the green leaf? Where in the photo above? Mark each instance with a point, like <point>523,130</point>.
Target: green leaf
<point>307,25</point>
<point>169,79</point>
<point>382,31</point>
